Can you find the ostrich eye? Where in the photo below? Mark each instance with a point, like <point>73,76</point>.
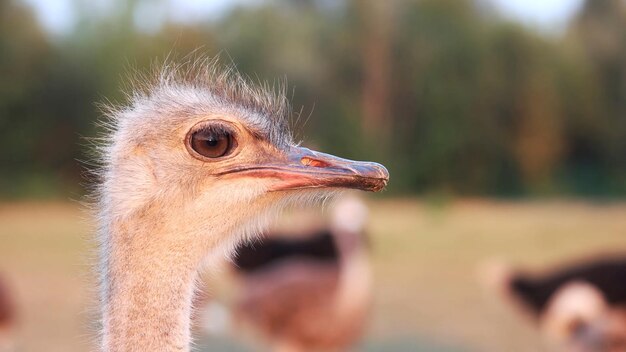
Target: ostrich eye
<point>212,142</point>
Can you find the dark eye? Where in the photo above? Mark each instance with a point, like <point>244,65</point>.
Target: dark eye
<point>212,142</point>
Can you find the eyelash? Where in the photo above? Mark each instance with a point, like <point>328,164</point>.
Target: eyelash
<point>215,128</point>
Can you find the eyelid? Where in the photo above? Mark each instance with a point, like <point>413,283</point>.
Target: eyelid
<point>216,127</point>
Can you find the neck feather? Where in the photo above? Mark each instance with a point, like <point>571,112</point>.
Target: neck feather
<point>150,262</point>
<point>149,286</point>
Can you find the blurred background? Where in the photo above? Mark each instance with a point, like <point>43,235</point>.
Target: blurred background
<point>502,122</point>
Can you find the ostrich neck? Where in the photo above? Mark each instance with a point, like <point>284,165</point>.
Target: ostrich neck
<point>149,286</point>
<point>354,286</point>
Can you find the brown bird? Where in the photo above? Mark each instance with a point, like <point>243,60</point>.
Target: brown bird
<point>195,162</point>
<point>308,293</point>
<point>579,307</point>
<point>7,318</point>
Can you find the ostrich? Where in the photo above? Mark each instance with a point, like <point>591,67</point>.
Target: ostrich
<point>198,160</point>
<point>580,307</point>
<point>7,318</point>
<point>311,293</point>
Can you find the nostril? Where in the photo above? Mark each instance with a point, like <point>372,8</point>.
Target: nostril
<point>306,161</point>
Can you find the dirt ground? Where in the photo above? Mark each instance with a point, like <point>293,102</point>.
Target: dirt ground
<point>425,258</point>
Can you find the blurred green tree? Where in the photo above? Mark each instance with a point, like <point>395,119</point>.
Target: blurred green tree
<point>451,97</point>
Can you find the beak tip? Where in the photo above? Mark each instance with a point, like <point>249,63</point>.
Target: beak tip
<point>383,172</point>
<point>377,175</point>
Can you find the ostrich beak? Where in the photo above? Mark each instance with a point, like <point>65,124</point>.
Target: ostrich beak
<point>310,169</point>
<point>305,168</point>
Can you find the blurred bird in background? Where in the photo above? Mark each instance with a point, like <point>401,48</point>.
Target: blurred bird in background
<point>306,288</point>
<point>579,307</point>
<point>7,317</point>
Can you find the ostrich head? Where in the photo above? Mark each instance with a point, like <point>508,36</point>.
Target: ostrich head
<point>200,150</point>
<point>199,143</point>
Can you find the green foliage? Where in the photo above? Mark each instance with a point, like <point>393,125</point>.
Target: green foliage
<point>467,103</point>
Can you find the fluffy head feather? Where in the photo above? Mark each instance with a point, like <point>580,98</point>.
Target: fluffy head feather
<point>171,91</point>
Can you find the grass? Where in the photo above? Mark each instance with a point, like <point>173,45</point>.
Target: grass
<point>425,260</point>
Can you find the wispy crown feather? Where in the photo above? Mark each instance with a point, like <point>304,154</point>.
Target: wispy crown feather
<point>200,85</point>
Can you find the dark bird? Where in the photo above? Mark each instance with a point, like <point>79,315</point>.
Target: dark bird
<point>308,293</point>
<point>7,318</point>
<point>580,306</point>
